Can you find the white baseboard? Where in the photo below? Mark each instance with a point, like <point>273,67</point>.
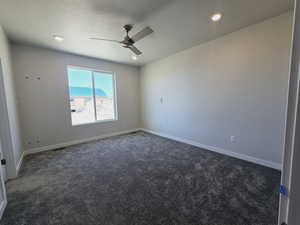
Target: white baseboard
<point>2,208</point>
<point>70,143</point>
<point>258,161</point>
<point>19,164</point>
<point>262,162</point>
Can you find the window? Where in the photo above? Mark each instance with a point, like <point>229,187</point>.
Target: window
<point>92,95</point>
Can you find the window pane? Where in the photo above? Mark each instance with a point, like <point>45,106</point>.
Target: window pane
<point>104,92</point>
<point>81,96</point>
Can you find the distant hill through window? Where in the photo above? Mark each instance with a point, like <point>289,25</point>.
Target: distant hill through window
<point>86,92</point>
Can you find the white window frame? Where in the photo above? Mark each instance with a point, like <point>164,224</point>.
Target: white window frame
<point>94,97</point>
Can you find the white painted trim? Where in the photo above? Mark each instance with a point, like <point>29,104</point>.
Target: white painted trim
<point>75,142</point>
<point>258,161</point>
<point>19,164</point>
<point>2,208</point>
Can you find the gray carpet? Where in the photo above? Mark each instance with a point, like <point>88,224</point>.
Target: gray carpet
<point>141,179</point>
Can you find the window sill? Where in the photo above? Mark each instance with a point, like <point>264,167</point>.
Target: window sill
<point>96,122</point>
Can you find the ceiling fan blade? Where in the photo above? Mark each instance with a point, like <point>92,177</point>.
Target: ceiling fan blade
<point>143,33</point>
<point>103,39</point>
<point>135,50</point>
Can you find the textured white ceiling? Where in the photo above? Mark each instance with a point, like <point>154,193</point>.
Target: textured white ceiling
<point>178,24</point>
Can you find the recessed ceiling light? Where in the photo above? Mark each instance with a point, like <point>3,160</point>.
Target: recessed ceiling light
<point>134,57</point>
<point>216,17</point>
<point>58,38</point>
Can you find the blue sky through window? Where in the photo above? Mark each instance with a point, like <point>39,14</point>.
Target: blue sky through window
<point>83,79</point>
<point>104,82</point>
<point>80,78</point>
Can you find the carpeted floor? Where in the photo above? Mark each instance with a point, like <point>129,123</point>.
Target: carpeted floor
<point>141,179</point>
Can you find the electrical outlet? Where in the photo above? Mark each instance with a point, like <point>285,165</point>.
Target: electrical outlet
<point>232,139</point>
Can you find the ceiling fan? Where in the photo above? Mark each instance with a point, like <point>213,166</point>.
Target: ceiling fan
<point>129,42</point>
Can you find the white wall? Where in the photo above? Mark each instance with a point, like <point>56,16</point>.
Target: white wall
<point>235,85</point>
<point>9,112</point>
<point>44,104</point>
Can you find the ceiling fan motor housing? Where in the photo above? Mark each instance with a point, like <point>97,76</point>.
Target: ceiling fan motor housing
<point>128,27</point>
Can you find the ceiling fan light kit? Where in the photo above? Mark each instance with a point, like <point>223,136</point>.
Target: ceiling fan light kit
<point>128,42</point>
